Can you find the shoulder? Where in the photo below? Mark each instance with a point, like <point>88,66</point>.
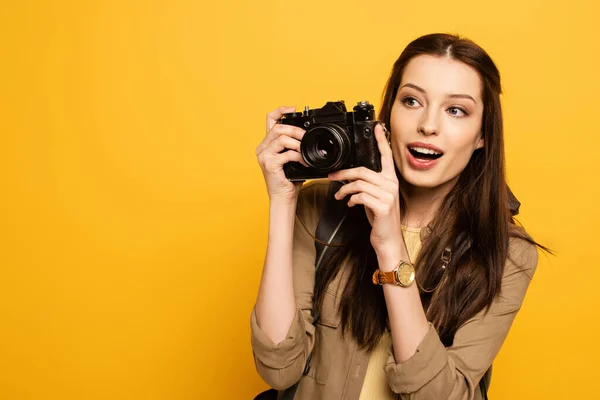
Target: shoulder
<point>522,253</point>
<point>520,267</point>
<point>311,200</point>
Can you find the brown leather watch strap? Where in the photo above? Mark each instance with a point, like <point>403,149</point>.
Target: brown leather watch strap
<point>380,277</point>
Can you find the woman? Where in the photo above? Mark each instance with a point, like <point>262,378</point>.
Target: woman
<point>438,212</point>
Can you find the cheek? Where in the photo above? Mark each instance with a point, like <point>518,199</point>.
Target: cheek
<point>402,122</point>
<point>462,151</point>
<point>460,160</point>
<point>398,130</point>
<point>394,120</point>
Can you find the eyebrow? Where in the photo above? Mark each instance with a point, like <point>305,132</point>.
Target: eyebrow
<point>456,96</point>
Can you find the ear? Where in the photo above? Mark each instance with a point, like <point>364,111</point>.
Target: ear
<point>479,143</point>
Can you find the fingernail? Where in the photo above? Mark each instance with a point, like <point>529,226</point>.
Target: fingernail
<point>385,130</point>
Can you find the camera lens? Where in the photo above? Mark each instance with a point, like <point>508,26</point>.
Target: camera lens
<point>325,147</point>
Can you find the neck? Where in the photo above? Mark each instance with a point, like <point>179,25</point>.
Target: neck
<point>422,203</point>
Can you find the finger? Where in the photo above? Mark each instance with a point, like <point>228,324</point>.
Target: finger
<point>361,186</point>
<point>353,174</point>
<point>288,156</point>
<point>274,115</point>
<point>278,130</point>
<point>368,201</point>
<point>387,158</point>
<point>283,142</point>
<point>274,163</point>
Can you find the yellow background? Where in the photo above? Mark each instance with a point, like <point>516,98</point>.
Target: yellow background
<point>134,213</point>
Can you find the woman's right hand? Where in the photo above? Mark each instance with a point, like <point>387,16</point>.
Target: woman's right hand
<point>272,156</point>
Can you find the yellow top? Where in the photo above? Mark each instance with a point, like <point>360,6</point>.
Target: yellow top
<point>375,385</point>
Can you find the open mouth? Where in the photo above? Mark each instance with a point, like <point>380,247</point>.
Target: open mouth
<point>422,153</point>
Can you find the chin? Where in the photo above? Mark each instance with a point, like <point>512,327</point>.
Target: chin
<point>422,180</point>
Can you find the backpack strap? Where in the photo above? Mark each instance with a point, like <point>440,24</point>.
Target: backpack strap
<point>331,219</point>
<point>513,203</point>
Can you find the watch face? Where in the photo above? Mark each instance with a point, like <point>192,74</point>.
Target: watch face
<point>405,274</point>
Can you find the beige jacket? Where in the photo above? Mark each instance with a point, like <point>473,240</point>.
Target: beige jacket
<point>338,366</point>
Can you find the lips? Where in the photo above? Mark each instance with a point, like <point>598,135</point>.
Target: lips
<point>423,156</point>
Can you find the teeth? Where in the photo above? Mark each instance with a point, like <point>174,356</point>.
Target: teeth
<point>424,150</point>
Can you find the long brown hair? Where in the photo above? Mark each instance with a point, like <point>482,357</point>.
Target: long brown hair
<point>474,220</point>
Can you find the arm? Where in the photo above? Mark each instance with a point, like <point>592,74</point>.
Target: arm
<point>434,371</point>
<point>288,280</point>
<point>275,304</point>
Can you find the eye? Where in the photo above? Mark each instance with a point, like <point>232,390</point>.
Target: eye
<point>410,102</point>
<point>457,112</point>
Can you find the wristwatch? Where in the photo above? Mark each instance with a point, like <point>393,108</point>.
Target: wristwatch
<point>403,275</point>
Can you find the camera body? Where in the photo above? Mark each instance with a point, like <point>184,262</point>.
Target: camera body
<point>335,139</point>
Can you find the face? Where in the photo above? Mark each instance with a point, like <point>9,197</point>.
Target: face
<point>436,121</point>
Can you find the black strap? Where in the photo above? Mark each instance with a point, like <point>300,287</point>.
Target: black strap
<point>513,203</point>
<point>332,216</point>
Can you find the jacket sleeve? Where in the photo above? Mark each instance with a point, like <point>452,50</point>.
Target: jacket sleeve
<point>453,373</point>
<point>281,365</point>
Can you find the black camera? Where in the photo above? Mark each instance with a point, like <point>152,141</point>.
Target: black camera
<point>334,139</point>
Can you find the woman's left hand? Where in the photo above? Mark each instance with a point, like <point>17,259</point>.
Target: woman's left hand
<point>379,193</point>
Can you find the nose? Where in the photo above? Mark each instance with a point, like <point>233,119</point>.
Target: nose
<point>428,124</point>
